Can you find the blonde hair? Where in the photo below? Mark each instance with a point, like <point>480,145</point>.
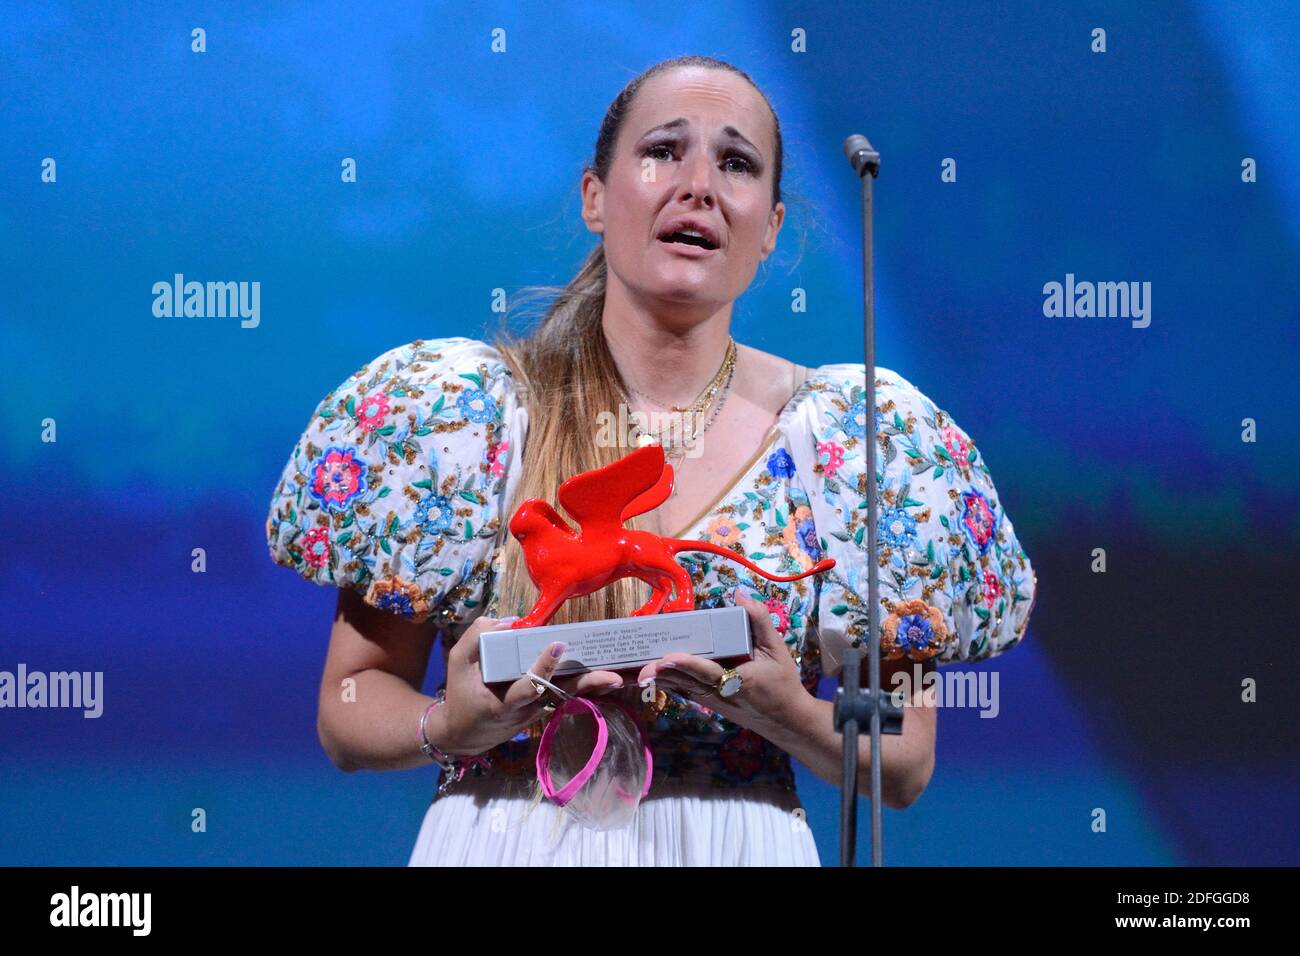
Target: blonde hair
<point>569,377</point>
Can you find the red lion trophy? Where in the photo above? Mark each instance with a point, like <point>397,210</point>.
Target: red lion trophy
<point>564,563</point>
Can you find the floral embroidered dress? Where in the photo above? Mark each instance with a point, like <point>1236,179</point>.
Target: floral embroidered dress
<point>400,483</point>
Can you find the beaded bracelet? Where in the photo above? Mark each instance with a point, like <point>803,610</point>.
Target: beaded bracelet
<point>453,767</point>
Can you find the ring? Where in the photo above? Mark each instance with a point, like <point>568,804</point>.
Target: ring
<point>547,698</point>
<point>544,687</point>
<point>729,683</point>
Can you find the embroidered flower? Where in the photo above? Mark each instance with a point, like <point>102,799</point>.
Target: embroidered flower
<point>434,514</point>
<point>854,421</point>
<point>957,446</point>
<point>398,596</point>
<point>316,547</point>
<point>337,478</point>
<point>780,464</point>
<point>800,537</point>
<point>371,411</point>
<point>477,405</point>
<point>780,614</point>
<point>495,455</point>
<point>978,519</point>
<point>992,587</point>
<point>897,528</point>
<point>914,629</point>
<point>723,531</point>
<point>690,741</point>
<point>831,457</point>
<point>742,754</point>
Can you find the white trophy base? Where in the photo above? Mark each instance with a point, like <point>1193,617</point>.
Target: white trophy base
<point>618,644</point>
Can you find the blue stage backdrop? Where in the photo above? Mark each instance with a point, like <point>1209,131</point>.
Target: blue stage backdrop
<point>1170,159</point>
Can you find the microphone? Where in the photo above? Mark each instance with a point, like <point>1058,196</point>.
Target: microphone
<point>862,155</point>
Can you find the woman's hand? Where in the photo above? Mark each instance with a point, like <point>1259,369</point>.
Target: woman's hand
<point>770,682</point>
<point>477,717</point>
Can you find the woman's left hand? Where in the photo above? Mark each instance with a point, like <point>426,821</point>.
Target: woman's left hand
<point>769,682</point>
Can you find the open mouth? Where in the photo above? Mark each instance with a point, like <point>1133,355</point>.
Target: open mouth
<point>689,237</point>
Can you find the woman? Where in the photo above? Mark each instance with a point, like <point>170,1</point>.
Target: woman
<point>403,483</point>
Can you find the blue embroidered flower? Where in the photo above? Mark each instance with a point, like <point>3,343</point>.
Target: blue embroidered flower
<point>434,514</point>
<point>806,531</point>
<point>780,464</point>
<point>397,595</point>
<point>897,528</point>
<point>395,602</point>
<point>854,421</point>
<point>915,632</point>
<point>477,405</point>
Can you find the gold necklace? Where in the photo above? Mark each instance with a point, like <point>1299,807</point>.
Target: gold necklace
<point>678,458</point>
<point>710,390</point>
<point>695,435</point>
<point>643,437</point>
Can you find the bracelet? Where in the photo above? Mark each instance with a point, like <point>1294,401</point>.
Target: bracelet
<point>453,767</point>
<point>433,752</point>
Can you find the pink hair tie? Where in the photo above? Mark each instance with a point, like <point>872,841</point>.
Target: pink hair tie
<point>563,795</point>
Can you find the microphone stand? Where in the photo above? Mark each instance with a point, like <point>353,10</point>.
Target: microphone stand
<point>854,705</point>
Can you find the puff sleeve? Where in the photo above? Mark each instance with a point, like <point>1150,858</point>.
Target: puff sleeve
<point>955,583</point>
<point>397,484</point>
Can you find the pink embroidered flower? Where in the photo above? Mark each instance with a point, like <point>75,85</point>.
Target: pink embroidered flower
<point>723,531</point>
<point>371,411</point>
<point>316,547</point>
<point>957,447</point>
<point>780,614</point>
<point>495,453</point>
<point>978,519</point>
<point>992,588</point>
<point>338,477</point>
<point>831,456</point>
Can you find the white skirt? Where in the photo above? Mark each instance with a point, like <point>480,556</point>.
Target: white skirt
<point>484,822</point>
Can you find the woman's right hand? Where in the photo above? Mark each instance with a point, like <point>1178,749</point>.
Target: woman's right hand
<point>476,717</point>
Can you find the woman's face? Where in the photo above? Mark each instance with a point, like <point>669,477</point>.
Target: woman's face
<point>698,144</point>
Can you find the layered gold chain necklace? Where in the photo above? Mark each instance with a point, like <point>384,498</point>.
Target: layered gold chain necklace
<point>718,387</point>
